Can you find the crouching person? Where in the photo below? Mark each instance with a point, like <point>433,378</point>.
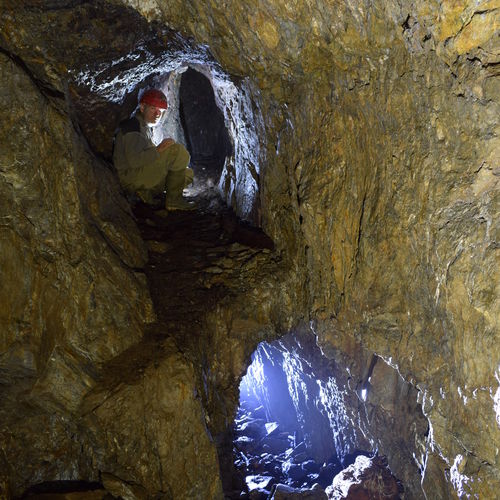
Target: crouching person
<point>146,169</point>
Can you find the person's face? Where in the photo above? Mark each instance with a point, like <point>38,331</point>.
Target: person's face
<point>151,114</point>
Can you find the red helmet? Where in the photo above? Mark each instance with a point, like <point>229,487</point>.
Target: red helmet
<point>154,97</point>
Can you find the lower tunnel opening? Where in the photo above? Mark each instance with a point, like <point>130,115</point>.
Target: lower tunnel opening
<point>292,433</point>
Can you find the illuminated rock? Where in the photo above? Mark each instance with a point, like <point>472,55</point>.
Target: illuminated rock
<point>283,492</point>
<point>366,479</point>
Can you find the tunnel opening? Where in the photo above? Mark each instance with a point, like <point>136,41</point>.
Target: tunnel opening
<point>207,138</point>
<point>216,116</point>
<point>293,432</point>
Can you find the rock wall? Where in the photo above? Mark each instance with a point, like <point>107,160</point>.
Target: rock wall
<point>382,181</point>
<point>147,428</point>
<point>379,187</point>
<point>74,306</point>
<point>70,299</point>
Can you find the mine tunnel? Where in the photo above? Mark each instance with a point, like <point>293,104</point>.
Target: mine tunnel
<point>293,431</point>
<point>324,324</point>
<point>207,138</point>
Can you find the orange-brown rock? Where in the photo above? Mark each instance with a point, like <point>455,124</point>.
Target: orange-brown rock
<point>366,146</point>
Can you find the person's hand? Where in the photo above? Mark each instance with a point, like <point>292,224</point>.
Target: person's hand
<point>166,143</point>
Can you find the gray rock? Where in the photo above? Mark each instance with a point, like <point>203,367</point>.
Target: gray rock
<point>283,492</point>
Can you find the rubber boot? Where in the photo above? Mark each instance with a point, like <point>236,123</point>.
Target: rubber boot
<point>189,177</point>
<point>174,186</point>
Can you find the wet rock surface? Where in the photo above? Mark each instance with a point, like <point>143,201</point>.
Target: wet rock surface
<point>375,172</point>
<point>275,466</point>
<point>367,478</point>
<point>268,455</point>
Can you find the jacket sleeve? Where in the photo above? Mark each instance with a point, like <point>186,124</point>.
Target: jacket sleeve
<point>138,150</point>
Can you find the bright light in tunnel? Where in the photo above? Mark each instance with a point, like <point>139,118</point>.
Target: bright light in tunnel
<point>254,378</point>
<point>292,424</point>
<point>364,389</point>
<point>299,422</point>
<point>267,385</point>
<point>292,367</point>
<point>245,124</point>
<point>331,398</point>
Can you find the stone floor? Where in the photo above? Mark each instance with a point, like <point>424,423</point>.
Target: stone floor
<point>195,259</point>
<point>276,466</point>
<point>267,455</point>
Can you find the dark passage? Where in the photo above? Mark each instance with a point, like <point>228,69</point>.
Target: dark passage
<point>206,135</point>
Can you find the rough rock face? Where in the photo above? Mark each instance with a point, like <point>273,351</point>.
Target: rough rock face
<point>365,479</point>
<point>171,453</point>
<point>297,387</point>
<point>337,412</point>
<point>70,299</point>
<point>385,184</point>
<point>378,169</point>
